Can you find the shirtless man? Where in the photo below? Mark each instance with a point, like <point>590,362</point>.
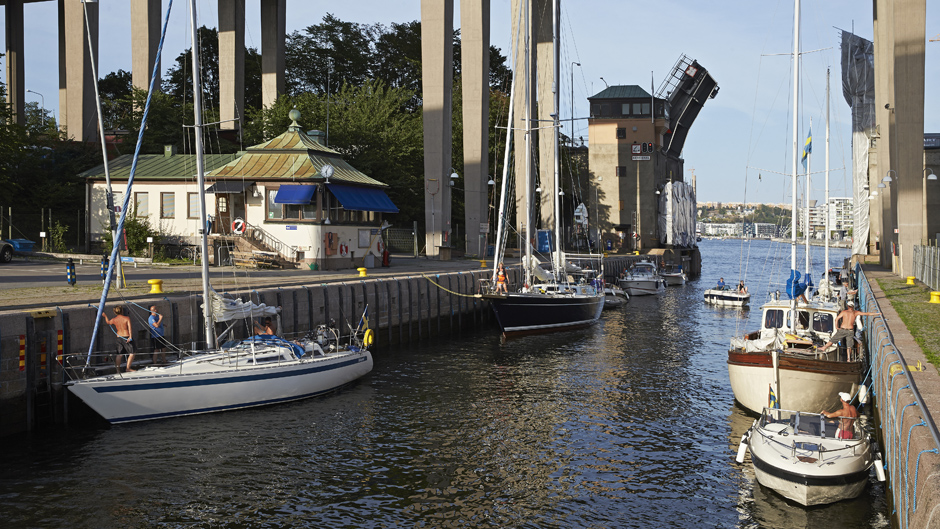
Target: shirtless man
<point>845,323</point>
<point>847,416</point>
<point>125,344</point>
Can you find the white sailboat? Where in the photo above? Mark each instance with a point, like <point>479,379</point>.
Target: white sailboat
<point>256,371</point>
<point>549,300</point>
<point>781,354</point>
<point>799,454</point>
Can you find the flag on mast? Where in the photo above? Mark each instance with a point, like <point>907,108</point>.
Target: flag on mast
<point>807,147</point>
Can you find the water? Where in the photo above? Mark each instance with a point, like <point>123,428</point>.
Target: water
<point>630,423</point>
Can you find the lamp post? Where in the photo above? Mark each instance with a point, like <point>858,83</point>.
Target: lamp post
<point>605,83</point>
<point>43,115</point>
<point>573,64</point>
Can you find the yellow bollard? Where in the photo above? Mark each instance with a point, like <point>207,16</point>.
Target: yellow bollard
<point>362,272</point>
<point>483,263</point>
<point>910,280</point>
<point>156,286</point>
<point>935,297</point>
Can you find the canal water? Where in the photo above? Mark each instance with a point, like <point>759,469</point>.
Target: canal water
<point>630,423</point>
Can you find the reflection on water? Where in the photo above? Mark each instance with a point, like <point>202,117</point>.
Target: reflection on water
<point>630,423</point>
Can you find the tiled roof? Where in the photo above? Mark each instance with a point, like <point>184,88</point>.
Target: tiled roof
<point>622,92</point>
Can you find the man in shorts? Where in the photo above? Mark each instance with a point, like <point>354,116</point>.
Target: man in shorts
<point>125,342</point>
<point>845,324</point>
<point>847,416</point>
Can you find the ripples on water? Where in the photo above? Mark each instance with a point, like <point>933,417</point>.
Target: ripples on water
<point>630,423</point>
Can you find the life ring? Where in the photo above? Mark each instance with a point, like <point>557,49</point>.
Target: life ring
<point>343,250</point>
<point>369,338</point>
<point>380,247</point>
<point>238,226</point>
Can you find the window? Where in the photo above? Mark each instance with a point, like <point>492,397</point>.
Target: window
<point>192,205</point>
<point>117,199</point>
<point>309,211</point>
<point>625,109</point>
<point>621,170</point>
<point>636,109</point>
<point>167,205</point>
<point>141,204</point>
<point>221,202</point>
<point>822,322</point>
<point>646,109</point>
<point>621,133</point>
<point>275,212</point>
<point>773,319</point>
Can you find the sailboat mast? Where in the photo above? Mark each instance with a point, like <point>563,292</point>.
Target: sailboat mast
<point>809,167</point>
<point>556,28</point>
<point>796,96</point>
<point>528,153</point>
<point>202,227</point>
<point>826,266</point>
<point>504,185</point>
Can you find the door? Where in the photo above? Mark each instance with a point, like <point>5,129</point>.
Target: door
<point>223,215</point>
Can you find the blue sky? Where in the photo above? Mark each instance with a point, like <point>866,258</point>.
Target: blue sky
<point>742,43</point>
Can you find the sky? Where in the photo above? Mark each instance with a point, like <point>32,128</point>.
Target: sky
<point>745,45</point>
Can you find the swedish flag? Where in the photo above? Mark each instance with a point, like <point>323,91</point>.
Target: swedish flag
<point>363,321</point>
<point>772,402</point>
<point>807,147</point>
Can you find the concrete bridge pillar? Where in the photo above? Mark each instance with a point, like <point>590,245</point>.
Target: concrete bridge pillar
<point>437,75</point>
<point>77,106</point>
<point>232,64</point>
<point>475,77</point>
<point>145,38</point>
<point>273,33</point>
<point>16,90</point>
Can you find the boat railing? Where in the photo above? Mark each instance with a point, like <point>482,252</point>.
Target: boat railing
<point>891,376</point>
<point>812,425</point>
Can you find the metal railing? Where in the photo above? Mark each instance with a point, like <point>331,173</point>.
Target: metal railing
<point>891,378</point>
<point>927,265</point>
<point>283,249</point>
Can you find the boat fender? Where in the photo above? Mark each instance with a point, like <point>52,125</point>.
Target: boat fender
<point>742,449</point>
<point>879,468</point>
<point>863,394</point>
<point>368,338</point>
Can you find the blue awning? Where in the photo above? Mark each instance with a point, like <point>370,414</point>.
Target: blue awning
<point>294,194</point>
<point>362,198</point>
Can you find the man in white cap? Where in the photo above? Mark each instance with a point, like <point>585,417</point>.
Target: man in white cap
<point>845,323</point>
<point>847,416</point>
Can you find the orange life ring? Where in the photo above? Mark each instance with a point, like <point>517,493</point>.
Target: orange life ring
<point>343,250</point>
<point>380,247</point>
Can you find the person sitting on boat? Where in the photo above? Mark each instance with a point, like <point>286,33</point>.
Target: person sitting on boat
<point>845,322</point>
<point>741,288</point>
<point>267,328</point>
<point>846,415</point>
<point>721,284</point>
<point>501,279</point>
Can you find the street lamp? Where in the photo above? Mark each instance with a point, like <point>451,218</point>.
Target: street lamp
<point>43,115</point>
<point>605,83</point>
<point>930,176</point>
<point>887,179</point>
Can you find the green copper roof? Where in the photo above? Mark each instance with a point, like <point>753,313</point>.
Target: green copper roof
<point>158,166</point>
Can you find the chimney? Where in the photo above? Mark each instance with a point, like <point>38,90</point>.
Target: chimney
<point>169,150</point>
<point>318,136</point>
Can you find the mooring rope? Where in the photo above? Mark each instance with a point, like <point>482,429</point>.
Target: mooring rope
<point>438,285</point>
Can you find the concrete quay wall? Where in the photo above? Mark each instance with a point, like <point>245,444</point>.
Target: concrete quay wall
<point>904,398</point>
<point>401,309</point>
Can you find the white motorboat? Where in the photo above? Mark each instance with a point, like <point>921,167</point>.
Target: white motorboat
<point>727,297</point>
<point>673,276</point>
<point>642,279</point>
<point>806,458</point>
<point>256,371</point>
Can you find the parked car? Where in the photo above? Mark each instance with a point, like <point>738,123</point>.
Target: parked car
<point>6,252</point>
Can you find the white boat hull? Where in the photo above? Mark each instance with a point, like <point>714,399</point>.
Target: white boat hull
<point>726,298</point>
<point>642,287</point>
<point>674,279</point>
<point>803,390</point>
<point>199,385</point>
<point>808,465</point>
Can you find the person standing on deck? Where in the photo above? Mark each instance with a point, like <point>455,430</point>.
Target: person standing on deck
<point>125,343</point>
<point>845,323</point>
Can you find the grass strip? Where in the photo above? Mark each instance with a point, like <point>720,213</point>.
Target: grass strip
<point>921,318</point>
